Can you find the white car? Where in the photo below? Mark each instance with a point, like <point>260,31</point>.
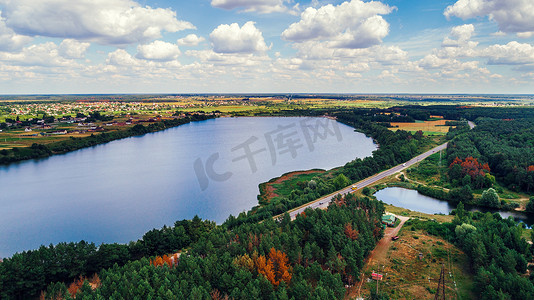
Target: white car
<point>404,164</point>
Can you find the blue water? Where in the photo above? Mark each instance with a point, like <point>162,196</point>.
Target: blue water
<point>413,200</point>
<point>117,191</point>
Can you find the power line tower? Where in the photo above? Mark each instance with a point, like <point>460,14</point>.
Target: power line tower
<point>440,292</point>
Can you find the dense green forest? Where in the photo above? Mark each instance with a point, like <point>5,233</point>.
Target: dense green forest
<point>42,151</point>
<point>507,146</point>
<point>25,274</point>
<point>497,253</point>
<point>312,257</point>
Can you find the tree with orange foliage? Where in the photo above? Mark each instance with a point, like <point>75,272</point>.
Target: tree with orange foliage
<point>276,268</point>
<point>170,261</point>
<point>76,285</point>
<point>472,167</point>
<point>350,232</point>
<point>530,169</point>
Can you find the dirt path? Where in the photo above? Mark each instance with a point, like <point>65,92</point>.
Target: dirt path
<point>378,255</point>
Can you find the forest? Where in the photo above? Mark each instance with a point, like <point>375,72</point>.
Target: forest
<point>497,252</point>
<point>506,147</point>
<point>313,257</point>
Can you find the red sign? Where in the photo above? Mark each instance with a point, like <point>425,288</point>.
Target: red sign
<point>376,276</point>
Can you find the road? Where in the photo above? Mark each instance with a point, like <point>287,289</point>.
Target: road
<point>325,200</point>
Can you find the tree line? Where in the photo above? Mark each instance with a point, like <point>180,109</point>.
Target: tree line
<point>313,257</point>
<point>42,151</point>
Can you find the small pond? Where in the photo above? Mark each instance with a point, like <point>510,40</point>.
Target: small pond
<point>413,200</point>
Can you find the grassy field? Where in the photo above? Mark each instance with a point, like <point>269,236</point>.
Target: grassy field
<point>436,127</point>
<point>406,276</point>
<point>283,185</point>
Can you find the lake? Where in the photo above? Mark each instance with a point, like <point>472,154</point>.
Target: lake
<point>117,191</point>
<point>413,200</point>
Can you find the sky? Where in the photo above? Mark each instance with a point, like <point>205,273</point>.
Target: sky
<point>266,46</point>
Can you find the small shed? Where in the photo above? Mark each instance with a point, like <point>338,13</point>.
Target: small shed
<point>388,220</point>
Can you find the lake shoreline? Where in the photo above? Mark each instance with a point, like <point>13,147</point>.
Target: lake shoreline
<point>40,151</point>
<point>438,204</point>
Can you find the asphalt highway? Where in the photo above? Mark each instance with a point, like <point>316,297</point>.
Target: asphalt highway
<point>325,200</point>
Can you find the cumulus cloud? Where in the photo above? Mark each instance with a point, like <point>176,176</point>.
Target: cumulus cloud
<point>512,16</point>
<point>158,50</point>
<point>354,24</point>
<point>234,59</point>
<point>190,40</point>
<point>41,55</point>
<point>261,6</point>
<point>459,35</point>
<point>234,39</point>
<point>9,41</point>
<point>116,22</point>
<point>120,57</point>
<point>513,53</point>
<point>72,48</point>
<point>458,43</point>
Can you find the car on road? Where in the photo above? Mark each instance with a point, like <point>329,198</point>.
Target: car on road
<point>404,164</point>
<point>354,187</point>
<point>394,238</point>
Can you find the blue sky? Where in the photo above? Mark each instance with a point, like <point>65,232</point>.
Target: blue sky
<point>266,46</point>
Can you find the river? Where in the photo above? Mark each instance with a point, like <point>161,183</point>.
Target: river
<point>413,200</point>
<point>117,191</point>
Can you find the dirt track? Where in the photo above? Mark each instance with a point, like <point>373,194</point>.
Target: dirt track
<point>378,254</point>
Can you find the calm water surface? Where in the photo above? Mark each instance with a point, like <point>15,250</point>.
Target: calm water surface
<point>117,191</point>
<point>413,200</point>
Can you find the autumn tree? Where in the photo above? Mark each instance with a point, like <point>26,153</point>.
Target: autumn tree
<point>276,268</point>
<point>470,171</point>
<point>350,232</point>
<point>75,286</point>
<point>170,261</point>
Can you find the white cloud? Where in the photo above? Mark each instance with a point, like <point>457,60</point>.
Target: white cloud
<point>158,50</point>
<point>120,57</point>
<point>117,22</point>
<point>512,16</point>
<point>354,24</point>
<point>458,43</point>
<point>513,53</point>
<point>233,39</point>
<point>525,35</point>
<point>9,41</point>
<point>237,59</point>
<point>261,6</point>
<point>41,55</point>
<point>459,35</point>
<point>72,48</point>
<point>191,40</point>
